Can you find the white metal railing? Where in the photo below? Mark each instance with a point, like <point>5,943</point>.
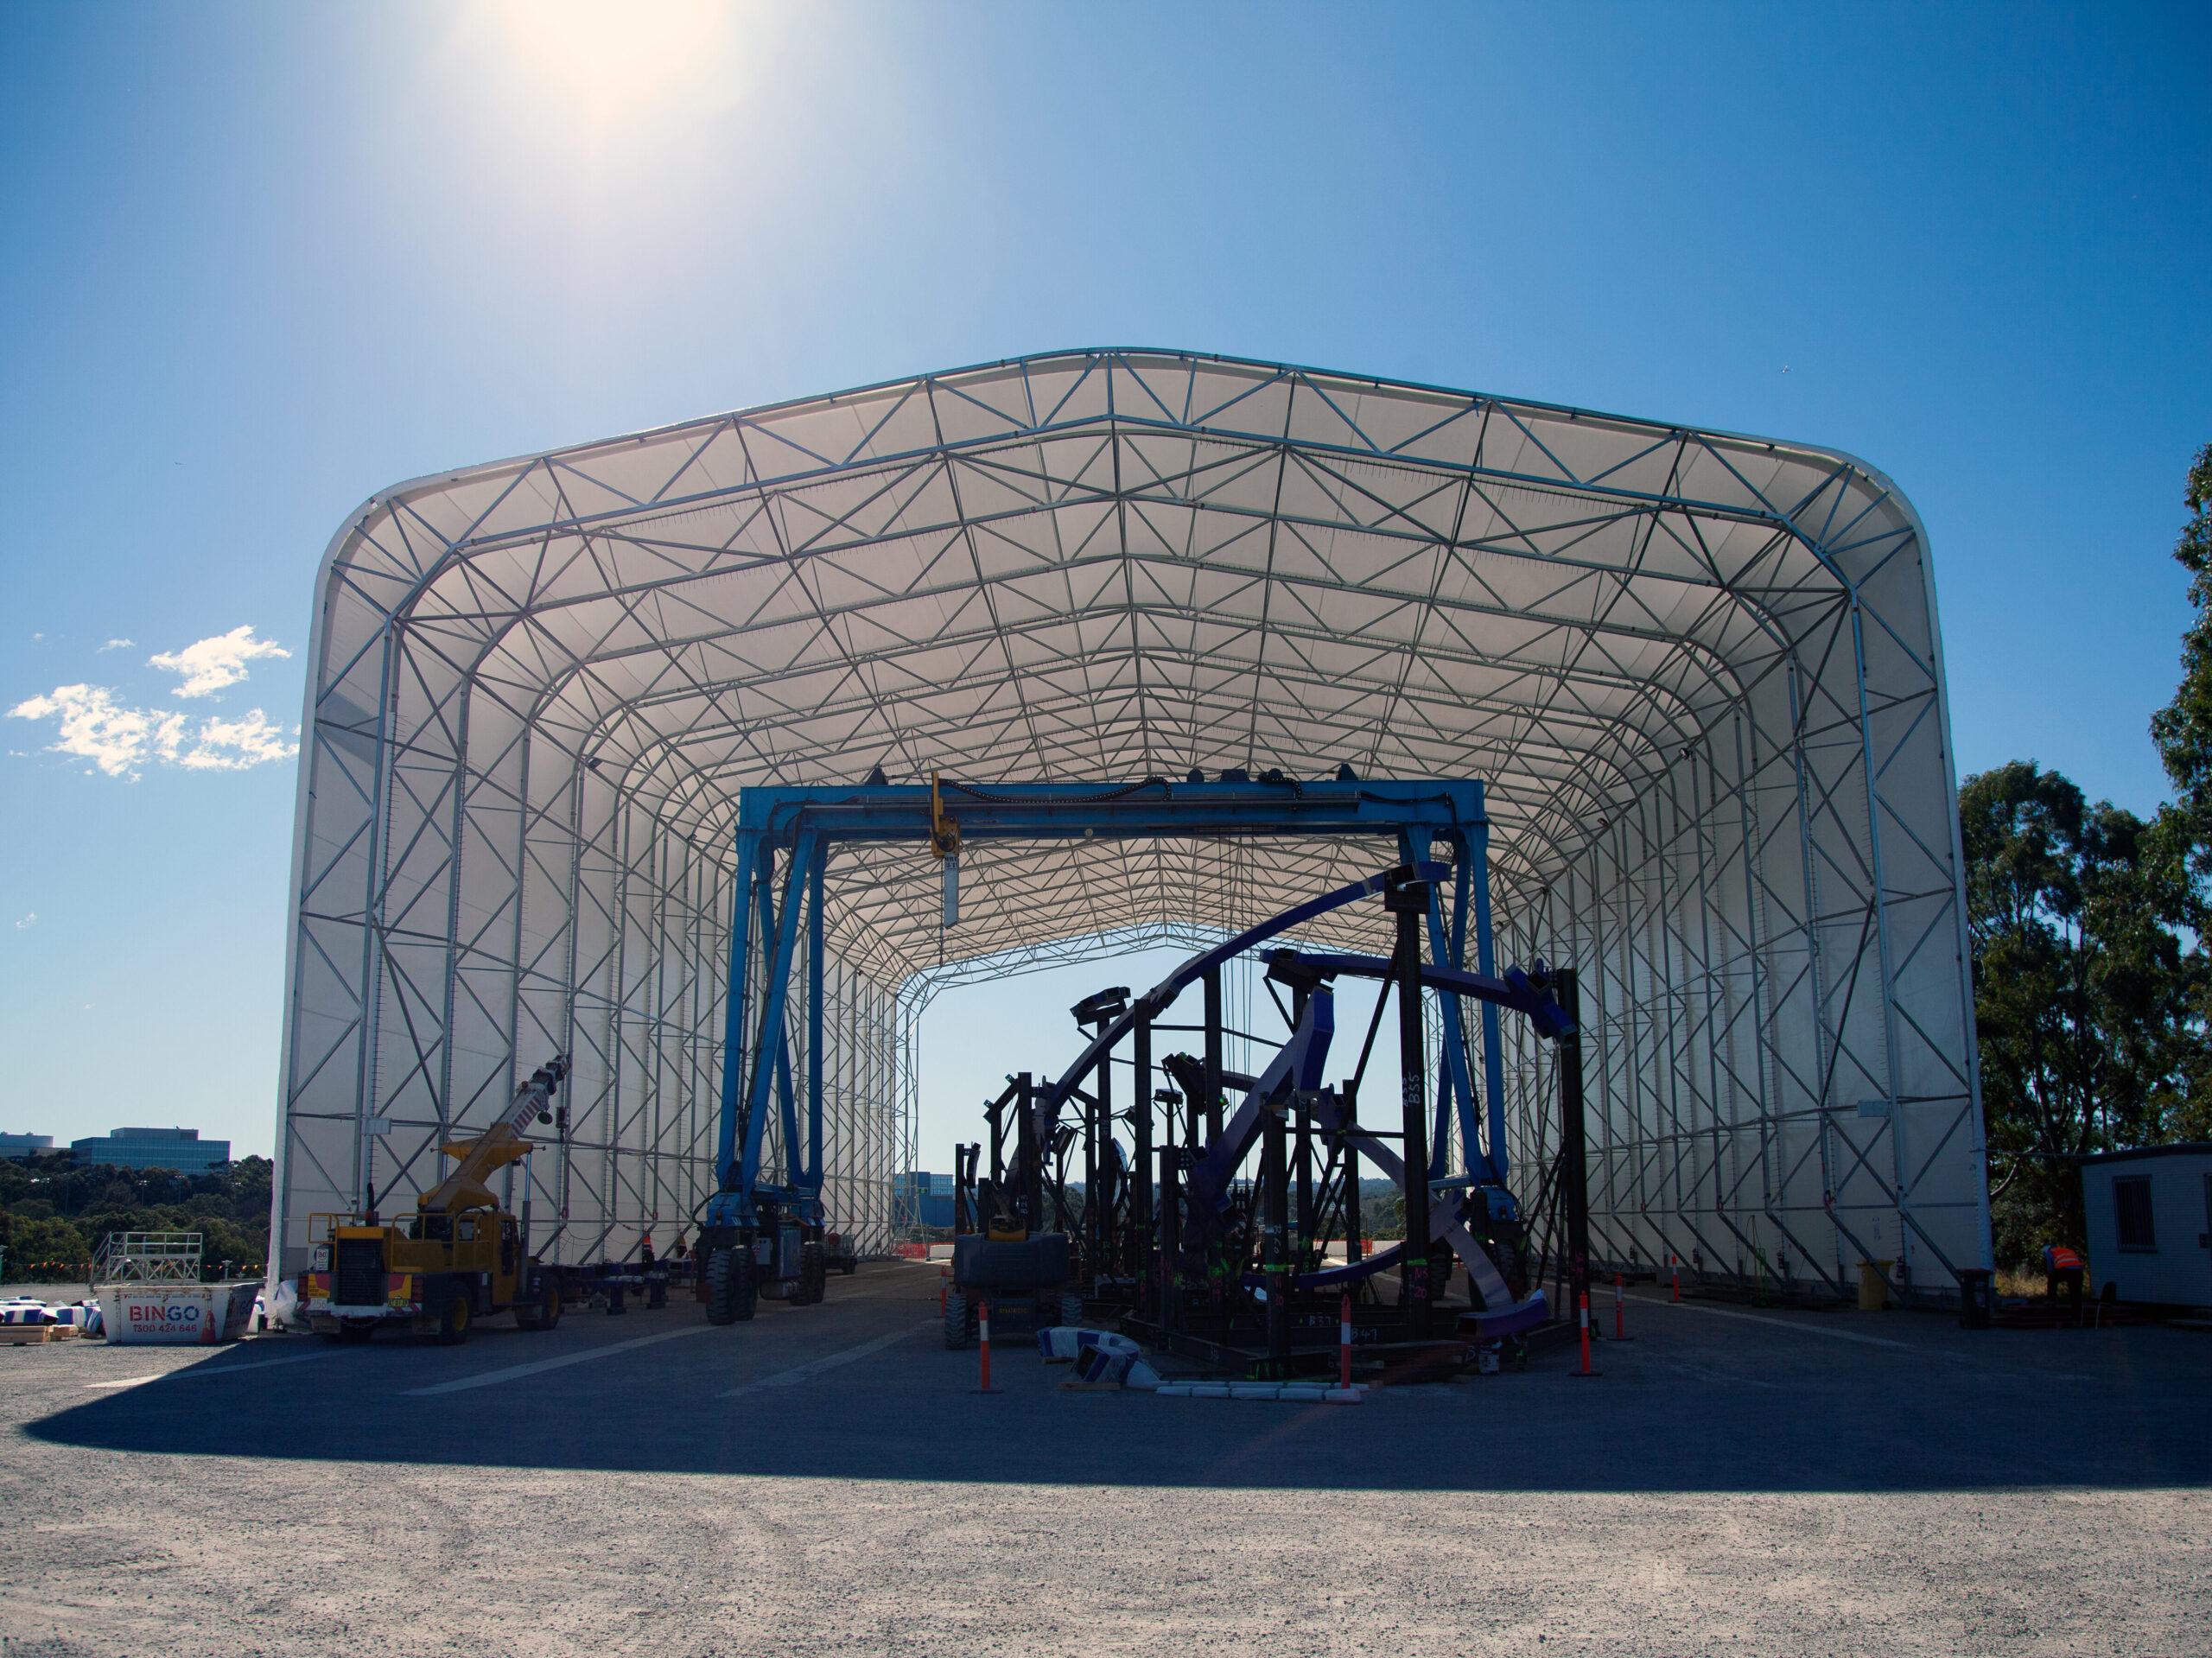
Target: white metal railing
<point>147,1258</point>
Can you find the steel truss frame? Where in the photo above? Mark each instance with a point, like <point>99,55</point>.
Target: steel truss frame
<point>1700,674</point>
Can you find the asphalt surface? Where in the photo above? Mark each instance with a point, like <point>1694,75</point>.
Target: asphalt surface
<point>826,1480</point>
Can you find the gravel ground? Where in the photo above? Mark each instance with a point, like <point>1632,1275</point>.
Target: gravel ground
<point>1787,1484</point>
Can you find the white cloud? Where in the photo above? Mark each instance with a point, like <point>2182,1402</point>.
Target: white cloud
<point>211,664</point>
<point>118,740</point>
<point>234,745</point>
<point>117,645</point>
<point>28,921</point>
<point>94,728</point>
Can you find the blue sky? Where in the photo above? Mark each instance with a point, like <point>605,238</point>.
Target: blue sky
<point>256,261</point>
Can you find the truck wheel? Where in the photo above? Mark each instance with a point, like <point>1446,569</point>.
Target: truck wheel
<point>813,1273</point>
<point>542,1313</point>
<point>733,1285</point>
<point>956,1320</point>
<point>453,1321</point>
<point>848,1266</point>
<point>748,1284</point>
<point>722,1271</point>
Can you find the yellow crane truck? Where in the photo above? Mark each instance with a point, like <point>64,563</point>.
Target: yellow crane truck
<point>458,1257</point>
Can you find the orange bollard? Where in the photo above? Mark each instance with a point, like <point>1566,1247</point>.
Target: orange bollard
<point>1344,1342</point>
<point>1620,1311</point>
<point>984,1321</point>
<point>941,1288</point>
<point>1583,1313</point>
<point>1676,1267</point>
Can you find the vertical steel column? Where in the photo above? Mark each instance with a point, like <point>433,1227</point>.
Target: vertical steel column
<point>1028,1156</point>
<point>1303,1157</point>
<point>1171,1234</point>
<point>740,945</point>
<point>1486,964</point>
<point>1212,1103</point>
<point>1141,1107</point>
<point>1099,1196</point>
<point>770,1059</point>
<point>1573,1170</point>
<point>1453,1048</point>
<point>1275,1247</point>
<point>1350,1160</point>
<point>1409,900</point>
<point>815,869</point>
<point>779,1049</point>
<point>1303,1161</point>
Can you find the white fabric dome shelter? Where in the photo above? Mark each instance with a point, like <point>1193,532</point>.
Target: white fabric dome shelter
<point>1700,675</point>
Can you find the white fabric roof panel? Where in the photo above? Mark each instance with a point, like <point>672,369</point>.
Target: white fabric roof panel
<point>1700,675</point>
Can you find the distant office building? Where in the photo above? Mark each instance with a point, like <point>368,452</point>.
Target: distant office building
<point>921,1199</point>
<point>17,1147</point>
<point>180,1149</point>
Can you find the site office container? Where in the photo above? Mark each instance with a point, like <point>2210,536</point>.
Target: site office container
<point>2148,1214</point>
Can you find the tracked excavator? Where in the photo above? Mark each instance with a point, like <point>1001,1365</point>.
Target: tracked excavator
<point>460,1257</point>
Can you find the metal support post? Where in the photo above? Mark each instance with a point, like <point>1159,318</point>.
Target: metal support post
<point>1098,1202</point>
<point>815,868</point>
<point>1171,1234</point>
<point>1573,1167</point>
<point>1093,1228</point>
<point>1028,1156</point>
<point>1212,1103</point>
<point>770,1051</point>
<point>741,947</point>
<point>1478,838</point>
<point>1448,947</point>
<point>1409,900</point>
<point>1140,1263</point>
<point>1304,1166</point>
<point>1350,1160</point>
<point>1274,1246</point>
<point>1303,1159</point>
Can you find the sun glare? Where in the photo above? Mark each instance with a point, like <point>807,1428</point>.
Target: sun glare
<point>620,58</point>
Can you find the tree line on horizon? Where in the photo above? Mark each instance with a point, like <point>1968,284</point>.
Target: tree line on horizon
<point>2088,928</point>
<point>54,1213</point>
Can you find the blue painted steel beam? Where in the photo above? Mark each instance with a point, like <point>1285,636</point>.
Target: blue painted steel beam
<point>1148,810</point>
<point>1458,1087</point>
<point>811,1179</point>
<point>787,1110</point>
<point>741,947</point>
<point>770,1059</point>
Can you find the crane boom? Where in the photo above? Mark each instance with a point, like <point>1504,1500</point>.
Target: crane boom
<point>501,1145</point>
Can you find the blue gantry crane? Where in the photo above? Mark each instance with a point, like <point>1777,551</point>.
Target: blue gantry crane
<point>765,1236</point>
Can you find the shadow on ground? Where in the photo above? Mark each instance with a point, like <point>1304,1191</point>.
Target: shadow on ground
<point>1703,1400</point>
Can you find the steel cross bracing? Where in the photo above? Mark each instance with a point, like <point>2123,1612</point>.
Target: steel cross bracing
<point>1702,673</point>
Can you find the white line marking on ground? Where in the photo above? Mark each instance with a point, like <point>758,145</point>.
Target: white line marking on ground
<point>1804,1330</point>
<point>492,1378</point>
<point>1699,1373</point>
<point>211,1370</point>
<point>814,1368</point>
<point>1854,1336</point>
